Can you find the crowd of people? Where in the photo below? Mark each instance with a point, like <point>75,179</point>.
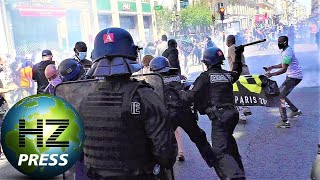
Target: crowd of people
<point>211,94</point>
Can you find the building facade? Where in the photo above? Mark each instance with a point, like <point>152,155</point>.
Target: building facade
<point>33,25</point>
<point>138,17</point>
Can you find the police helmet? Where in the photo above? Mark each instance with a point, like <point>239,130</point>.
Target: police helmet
<point>213,56</point>
<point>70,69</point>
<point>115,53</point>
<point>159,64</point>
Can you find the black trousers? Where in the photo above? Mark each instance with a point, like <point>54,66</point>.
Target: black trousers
<point>188,122</point>
<point>224,146</point>
<point>285,89</point>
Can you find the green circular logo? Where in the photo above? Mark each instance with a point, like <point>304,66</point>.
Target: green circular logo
<point>42,136</point>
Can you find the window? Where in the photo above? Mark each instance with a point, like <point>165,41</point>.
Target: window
<point>127,22</point>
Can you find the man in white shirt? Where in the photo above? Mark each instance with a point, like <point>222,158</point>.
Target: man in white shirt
<point>231,43</point>
<point>289,65</point>
<point>163,45</point>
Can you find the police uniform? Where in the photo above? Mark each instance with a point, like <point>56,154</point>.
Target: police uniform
<point>180,113</point>
<point>212,93</point>
<point>126,129</point>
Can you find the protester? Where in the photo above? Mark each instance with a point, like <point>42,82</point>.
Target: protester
<point>3,103</point>
<point>172,54</point>
<point>53,78</point>
<point>80,50</point>
<point>150,49</point>
<point>210,43</point>
<point>289,65</point>
<point>38,71</point>
<point>231,43</point>
<point>145,62</point>
<point>163,45</point>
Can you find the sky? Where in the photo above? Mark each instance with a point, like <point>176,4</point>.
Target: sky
<point>307,3</point>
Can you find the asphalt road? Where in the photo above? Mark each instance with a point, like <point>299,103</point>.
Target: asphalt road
<point>268,153</point>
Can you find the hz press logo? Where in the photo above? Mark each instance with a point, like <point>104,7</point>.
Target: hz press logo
<point>51,142</point>
<point>42,136</point>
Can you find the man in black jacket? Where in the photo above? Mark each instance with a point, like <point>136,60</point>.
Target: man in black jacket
<point>212,93</point>
<point>172,54</point>
<point>127,131</point>
<point>38,71</point>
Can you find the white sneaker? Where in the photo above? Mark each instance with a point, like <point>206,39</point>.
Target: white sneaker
<point>246,111</point>
<point>2,156</point>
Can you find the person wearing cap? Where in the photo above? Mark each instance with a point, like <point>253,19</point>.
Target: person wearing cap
<point>80,50</point>
<point>53,77</point>
<point>38,71</point>
<point>71,70</point>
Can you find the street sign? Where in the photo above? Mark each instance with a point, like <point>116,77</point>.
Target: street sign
<point>159,7</point>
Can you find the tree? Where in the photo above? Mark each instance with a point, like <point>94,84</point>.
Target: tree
<point>195,16</point>
<point>164,19</point>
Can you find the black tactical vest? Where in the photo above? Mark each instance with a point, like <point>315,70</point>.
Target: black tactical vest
<point>220,90</point>
<point>115,138</point>
<point>171,85</point>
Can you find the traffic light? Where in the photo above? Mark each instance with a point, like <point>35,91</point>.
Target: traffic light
<point>221,11</point>
<point>213,18</point>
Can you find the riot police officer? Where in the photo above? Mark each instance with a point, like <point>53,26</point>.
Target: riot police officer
<point>126,129</point>
<point>180,113</point>
<point>212,93</point>
<point>71,70</point>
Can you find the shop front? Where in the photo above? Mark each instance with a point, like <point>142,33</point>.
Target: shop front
<point>38,25</point>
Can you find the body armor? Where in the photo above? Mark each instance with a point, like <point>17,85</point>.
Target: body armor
<point>115,140</point>
<point>171,85</point>
<point>219,91</point>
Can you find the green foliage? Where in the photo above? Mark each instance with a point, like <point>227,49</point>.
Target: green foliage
<point>164,19</point>
<point>198,15</point>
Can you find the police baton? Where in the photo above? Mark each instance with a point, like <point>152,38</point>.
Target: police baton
<point>252,43</point>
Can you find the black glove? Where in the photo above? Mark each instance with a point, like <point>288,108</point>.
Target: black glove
<point>239,50</point>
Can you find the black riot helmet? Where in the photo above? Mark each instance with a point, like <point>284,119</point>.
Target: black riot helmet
<point>114,53</point>
<point>70,70</point>
<point>159,64</point>
<point>213,56</point>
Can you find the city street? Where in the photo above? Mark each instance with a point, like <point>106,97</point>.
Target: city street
<point>267,152</point>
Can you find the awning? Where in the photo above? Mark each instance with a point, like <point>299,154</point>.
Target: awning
<point>41,11</point>
<point>261,17</point>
